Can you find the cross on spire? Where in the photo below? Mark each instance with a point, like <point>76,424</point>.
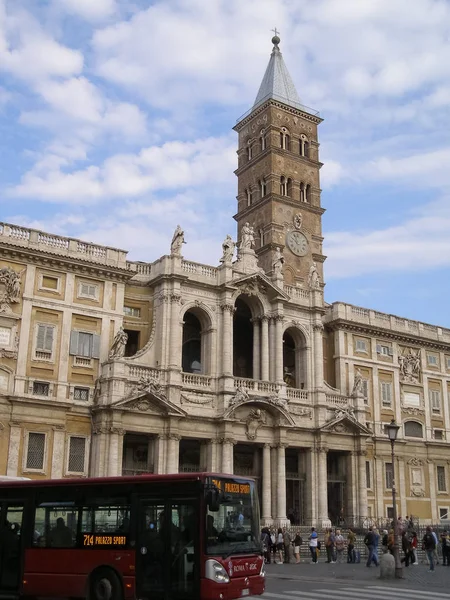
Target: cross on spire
<point>276,32</point>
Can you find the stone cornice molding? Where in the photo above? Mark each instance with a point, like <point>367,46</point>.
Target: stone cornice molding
<point>227,440</point>
<point>272,102</point>
<point>174,436</point>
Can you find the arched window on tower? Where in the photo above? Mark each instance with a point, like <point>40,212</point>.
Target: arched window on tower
<point>306,149</point>
<point>283,186</point>
<point>304,146</point>
<point>302,192</point>
<point>248,194</point>
<point>308,194</point>
<point>285,139</point>
<point>249,150</point>
<point>289,187</point>
<point>262,139</point>
<point>262,187</point>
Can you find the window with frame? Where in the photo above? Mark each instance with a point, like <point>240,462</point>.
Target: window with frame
<point>441,479</point>
<point>384,350</point>
<point>77,454</point>
<point>88,290</point>
<point>41,388</point>
<point>35,451</point>
<point>50,283</point>
<point>389,475</point>
<point>438,434</point>
<point>81,394</point>
<point>447,360</point>
<point>432,360</point>
<point>365,389</point>
<point>390,512</point>
<point>55,525</point>
<point>368,478</point>
<point>444,512</point>
<point>45,335</point>
<point>386,393</point>
<point>435,400</point>
<point>131,311</point>
<point>106,518</point>
<point>84,344</point>
<point>413,429</point>
<point>361,346</point>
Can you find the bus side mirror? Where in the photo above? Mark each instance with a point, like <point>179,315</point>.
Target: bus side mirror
<point>213,499</point>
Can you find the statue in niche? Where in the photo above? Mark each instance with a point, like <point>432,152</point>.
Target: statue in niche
<point>177,241</point>
<point>314,279</point>
<point>278,263</point>
<point>410,366</point>
<point>247,237</point>
<point>358,384</point>
<point>298,221</point>
<point>288,377</point>
<point>118,345</point>
<point>228,247</point>
<point>255,419</point>
<point>9,288</point>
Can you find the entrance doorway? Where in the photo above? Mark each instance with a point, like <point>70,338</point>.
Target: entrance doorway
<point>336,488</point>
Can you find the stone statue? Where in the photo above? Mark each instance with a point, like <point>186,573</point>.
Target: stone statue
<point>358,384</point>
<point>288,377</point>
<point>410,366</point>
<point>177,241</point>
<point>314,279</point>
<point>298,221</point>
<point>241,395</point>
<point>278,263</point>
<point>118,345</point>
<point>228,247</point>
<point>247,237</point>
<point>9,288</point>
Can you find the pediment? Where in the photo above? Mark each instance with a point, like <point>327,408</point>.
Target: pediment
<point>345,422</point>
<point>278,407</point>
<point>259,282</point>
<point>149,403</point>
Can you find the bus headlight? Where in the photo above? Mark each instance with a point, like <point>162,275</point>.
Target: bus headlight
<point>215,571</point>
<point>263,570</point>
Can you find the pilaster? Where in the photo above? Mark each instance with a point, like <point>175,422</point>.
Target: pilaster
<point>266,487</point>
<point>58,452</point>
<point>15,438</point>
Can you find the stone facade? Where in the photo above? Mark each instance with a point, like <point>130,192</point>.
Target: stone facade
<point>111,367</point>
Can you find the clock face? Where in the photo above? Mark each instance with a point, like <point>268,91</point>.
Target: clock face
<point>297,243</point>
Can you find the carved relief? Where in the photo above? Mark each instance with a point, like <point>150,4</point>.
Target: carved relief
<point>150,385</point>
<point>241,395</point>
<point>412,410</point>
<point>196,400</point>
<point>118,345</point>
<point>340,428</point>
<point>415,462</point>
<point>300,411</point>
<point>418,492</point>
<point>11,353</point>
<point>9,288</point>
<point>255,419</point>
<point>409,361</point>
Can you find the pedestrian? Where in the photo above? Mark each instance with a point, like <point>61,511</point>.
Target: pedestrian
<point>329,545</point>
<point>339,543</point>
<point>297,543</point>
<point>445,545</point>
<point>273,544</point>
<point>287,543</point>
<point>369,541</point>
<point>391,541</point>
<point>429,545</point>
<point>265,542</point>
<point>351,539</point>
<point>384,541</point>
<point>435,552</point>
<point>414,547</point>
<point>406,547</point>
<point>280,546</point>
<point>313,545</point>
<point>376,543</point>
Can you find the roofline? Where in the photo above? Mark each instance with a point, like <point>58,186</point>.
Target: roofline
<point>310,113</point>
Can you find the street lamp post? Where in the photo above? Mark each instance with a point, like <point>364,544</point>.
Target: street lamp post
<point>392,431</point>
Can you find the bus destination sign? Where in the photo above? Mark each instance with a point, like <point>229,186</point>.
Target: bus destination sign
<point>96,540</point>
<point>232,487</point>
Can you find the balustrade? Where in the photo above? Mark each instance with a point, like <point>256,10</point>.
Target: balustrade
<point>195,380</point>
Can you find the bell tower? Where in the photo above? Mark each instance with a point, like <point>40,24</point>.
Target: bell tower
<point>278,175</point>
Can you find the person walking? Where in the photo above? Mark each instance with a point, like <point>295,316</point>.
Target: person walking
<point>384,541</point>
<point>376,543</point>
<point>313,545</point>
<point>297,543</point>
<point>391,541</point>
<point>369,541</point>
<point>407,549</point>
<point>265,542</point>
<point>280,546</point>
<point>339,544</point>
<point>445,545</point>
<point>429,545</point>
<point>351,539</point>
<point>435,552</point>
<point>329,545</point>
<point>287,543</point>
<point>414,548</point>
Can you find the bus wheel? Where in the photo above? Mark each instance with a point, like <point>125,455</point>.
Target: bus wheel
<point>106,586</point>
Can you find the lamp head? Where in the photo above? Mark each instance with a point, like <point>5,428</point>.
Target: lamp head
<point>392,430</point>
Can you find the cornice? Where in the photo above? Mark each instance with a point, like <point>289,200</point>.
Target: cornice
<point>415,340</point>
<point>318,210</point>
<point>70,264</point>
<point>271,102</point>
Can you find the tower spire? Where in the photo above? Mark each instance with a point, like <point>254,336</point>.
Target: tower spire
<point>277,83</point>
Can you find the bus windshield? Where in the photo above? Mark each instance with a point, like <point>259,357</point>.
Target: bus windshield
<point>234,528</point>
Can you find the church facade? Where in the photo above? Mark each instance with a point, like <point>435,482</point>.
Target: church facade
<point>111,367</point>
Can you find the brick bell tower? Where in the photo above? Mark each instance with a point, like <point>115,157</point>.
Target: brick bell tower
<point>278,175</point>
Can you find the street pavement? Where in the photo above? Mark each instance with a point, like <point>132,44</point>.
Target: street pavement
<point>354,582</point>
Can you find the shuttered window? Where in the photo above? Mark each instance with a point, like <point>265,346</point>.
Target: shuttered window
<point>435,400</point>
<point>88,290</point>
<point>84,344</point>
<point>389,473</point>
<point>441,479</point>
<point>386,393</point>
<point>44,338</point>
<point>35,451</point>
<point>77,453</point>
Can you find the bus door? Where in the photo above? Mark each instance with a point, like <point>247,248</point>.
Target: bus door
<point>167,550</point>
<point>11,517</point>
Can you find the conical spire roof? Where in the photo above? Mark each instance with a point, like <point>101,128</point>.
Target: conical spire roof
<point>277,82</point>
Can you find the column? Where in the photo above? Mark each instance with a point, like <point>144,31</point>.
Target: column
<point>175,328</point>
<point>160,453</point>
<point>362,493</point>
<point>114,451</point>
<point>59,438</point>
<point>432,476</point>
<point>173,452</point>
<point>265,348</point>
<point>211,457</point>
<point>380,487</point>
<point>353,495</point>
<point>266,485</point>
<point>15,434</point>
<point>318,355</point>
<point>401,487</point>
<point>279,348</point>
<point>227,338</point>
<point>274,480</point>
<point>272,371</point>
<point>322,484</point>
<point>281,489</point>
<point>227,455</point>
<point>310,487</point>
<point>256,349</point>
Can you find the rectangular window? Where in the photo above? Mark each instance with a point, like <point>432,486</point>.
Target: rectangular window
<point>55,525</point>
<point>361,346</point>
<point>81,394</point>
<point>41,388</point>
<point>45,335</point>
<point>35,451</point>
<point>368,482</point>
<point>131,311</point>
<point>88,290</point>
<point>77,453</point>
<point>444,512</point>
<point>50,283</point>
<point>389,475</point>
<point>448,362</point>
<point>432,360</point>
<point>84,344</point>
<point>386,393</point>
<point>106,519</point>
<point>435,401</point>
<point>438,434</point>
<point>384,350</point>
<point>441,479</point>
<point>390,512</point>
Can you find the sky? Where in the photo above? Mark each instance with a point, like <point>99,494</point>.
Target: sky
<point>116,124</point>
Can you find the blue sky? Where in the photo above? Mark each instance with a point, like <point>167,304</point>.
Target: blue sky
<point>116,117</point>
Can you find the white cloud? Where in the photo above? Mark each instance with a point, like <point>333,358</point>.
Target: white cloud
<point>91,10</point>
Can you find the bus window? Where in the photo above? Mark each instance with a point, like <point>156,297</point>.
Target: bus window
<point>106,519</point>
<point>55,525</point>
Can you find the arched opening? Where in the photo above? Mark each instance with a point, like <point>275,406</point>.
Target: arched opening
<point>263,187</point>
<point>262,138</point>
<point>248,193</point>
<point>242,340</point>
<point>285,140</point>
<point>294,359</point>
<point>192,344</point>
<point>302,192</point>
<point>289,187</point>
<point>306,149</point>
<point>283,186</point>
<point>308,194</point>
<point>413,429</point>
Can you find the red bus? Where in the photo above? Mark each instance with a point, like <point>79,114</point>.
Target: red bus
<point>161,537</point>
